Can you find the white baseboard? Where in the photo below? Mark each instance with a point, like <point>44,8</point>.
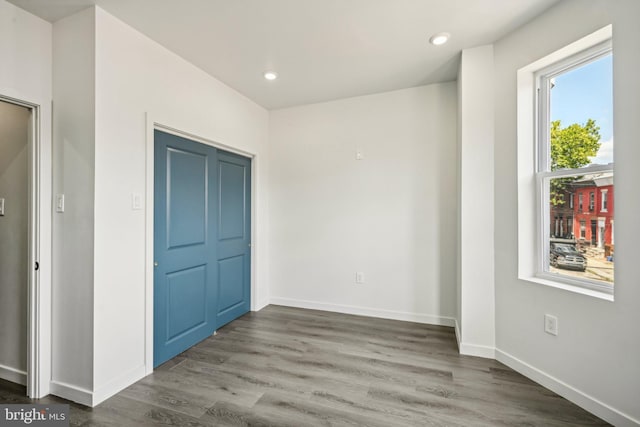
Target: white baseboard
<point>118,384</point>
<point>364,311</point>
<point>570,393</point>
<point>14,375</point>
<point>473,349</point>
<point>260,305</point>
<point>477,350</point>
<point>88,398</point>
<point>72,392</point>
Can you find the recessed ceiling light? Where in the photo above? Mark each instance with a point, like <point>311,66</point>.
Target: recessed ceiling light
<point>270,75</point>
<point>439,39</point>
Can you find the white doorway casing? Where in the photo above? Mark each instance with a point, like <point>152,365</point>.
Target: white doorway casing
<point>15,150</point>
<point>38,302</point>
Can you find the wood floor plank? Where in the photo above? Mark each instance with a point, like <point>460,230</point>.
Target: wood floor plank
<point>182,401</point>
<point>212,388</point>
<point>290,367</point>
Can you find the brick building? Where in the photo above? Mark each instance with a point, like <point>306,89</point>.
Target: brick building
<point>587,213</point>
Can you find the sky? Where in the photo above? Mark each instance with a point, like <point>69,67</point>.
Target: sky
<point>585,93</point>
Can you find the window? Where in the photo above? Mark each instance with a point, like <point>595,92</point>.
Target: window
<point>571,141</point>
<point>580,204</point>
<point>603,199</point>
<point>570,227</point>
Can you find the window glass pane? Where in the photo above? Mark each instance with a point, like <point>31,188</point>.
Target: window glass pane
<point>581,116</point>
<point>589,254</point>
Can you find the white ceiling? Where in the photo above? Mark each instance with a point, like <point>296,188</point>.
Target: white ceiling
<point>321,49</point>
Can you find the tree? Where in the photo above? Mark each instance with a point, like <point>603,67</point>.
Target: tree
<point>571,148</point>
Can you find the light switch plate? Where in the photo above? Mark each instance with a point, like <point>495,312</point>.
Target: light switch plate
<point>136,201</point>
<point>2,206</point>
<point>60,203</point>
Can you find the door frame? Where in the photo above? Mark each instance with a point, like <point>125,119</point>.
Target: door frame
<point>153,124</point>
<point>38,375</point>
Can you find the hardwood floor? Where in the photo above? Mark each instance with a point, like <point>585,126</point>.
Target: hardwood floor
<point>292,367</point>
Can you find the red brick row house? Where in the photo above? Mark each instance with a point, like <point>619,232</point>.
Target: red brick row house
<point>587,213</point>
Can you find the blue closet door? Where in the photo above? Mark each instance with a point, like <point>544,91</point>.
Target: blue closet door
<point>185,269</point>
<point>202,236</point>
<point>234,236</point>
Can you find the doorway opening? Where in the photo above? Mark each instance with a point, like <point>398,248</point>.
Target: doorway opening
<point>19,243</point>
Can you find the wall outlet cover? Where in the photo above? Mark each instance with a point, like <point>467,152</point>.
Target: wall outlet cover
<point>551,324</point>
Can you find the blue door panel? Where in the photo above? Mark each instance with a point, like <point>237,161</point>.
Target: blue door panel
<point>231,220</point>
<point>234,237</point>
<point>186,187</point>
<point>186,288</point>
<point>202,242</point>
<point>231,280</point>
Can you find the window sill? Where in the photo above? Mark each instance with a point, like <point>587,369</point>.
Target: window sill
<point>552,281</point>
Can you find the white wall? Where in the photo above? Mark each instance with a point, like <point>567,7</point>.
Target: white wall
<point>136,76</point>
<point>25,74</point>
<point>594,359</point>
<point>14,188</point>
<point>476,294</point>
<point>391,215</point>
<point>111,84</point>
<point>73,175</point>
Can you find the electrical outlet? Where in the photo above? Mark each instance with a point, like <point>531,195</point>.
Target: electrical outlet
<point>551,324</point>
<point>359,277</point>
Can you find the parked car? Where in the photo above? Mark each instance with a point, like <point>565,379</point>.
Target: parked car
<point>565,255</point>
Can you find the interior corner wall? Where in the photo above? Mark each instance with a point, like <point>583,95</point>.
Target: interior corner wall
<point>26,47</point>
<point>476,294</point>
<point>138,78</point>
<point>73,229</point>
<point>458,318</point>
<point>390,215</point>
<point>594,359</point>
<point>14,251</point>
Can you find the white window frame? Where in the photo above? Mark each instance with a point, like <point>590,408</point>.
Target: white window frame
<point>534,174</point>
<point>604,200</point>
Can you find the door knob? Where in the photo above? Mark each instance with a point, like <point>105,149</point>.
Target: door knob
<point>155,263</point>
